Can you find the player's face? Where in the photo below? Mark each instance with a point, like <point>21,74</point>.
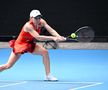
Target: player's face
<point>38,18</point>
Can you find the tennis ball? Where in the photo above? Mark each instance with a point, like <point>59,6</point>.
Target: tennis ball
<point>73,35</point>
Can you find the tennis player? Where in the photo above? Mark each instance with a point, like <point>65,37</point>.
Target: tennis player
<point>24,43</point>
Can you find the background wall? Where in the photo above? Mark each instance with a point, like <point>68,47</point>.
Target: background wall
<point>64,16</point>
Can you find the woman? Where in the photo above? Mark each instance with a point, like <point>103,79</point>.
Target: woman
<point>24,43</point>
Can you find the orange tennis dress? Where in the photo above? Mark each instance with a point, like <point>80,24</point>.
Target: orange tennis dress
<point>25,41</point>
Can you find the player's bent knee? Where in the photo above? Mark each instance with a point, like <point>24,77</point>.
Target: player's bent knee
<point>44,52</point>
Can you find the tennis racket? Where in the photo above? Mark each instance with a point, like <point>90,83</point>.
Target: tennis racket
<point>83,34</point>
<point>51,44</point>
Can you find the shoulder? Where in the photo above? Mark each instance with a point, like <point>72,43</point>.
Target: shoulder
<point>28,27</point>
<point>43,21</point>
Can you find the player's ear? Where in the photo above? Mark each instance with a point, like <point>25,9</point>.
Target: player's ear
<point>30,18</point>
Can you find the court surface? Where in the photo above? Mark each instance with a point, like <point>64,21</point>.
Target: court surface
<point>76,69</point>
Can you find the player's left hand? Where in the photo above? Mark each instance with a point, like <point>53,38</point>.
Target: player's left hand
<point>61,38</point>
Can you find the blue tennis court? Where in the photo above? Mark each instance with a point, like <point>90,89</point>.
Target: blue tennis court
<point>75,69</point>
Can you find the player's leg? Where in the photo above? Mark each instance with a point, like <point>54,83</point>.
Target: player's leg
<point>39,50</point>
<point>12,59</point>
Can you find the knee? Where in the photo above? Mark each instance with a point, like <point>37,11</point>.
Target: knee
<point>44,52</point>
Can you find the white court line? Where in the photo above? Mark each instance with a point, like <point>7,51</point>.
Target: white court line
<point>76,88</point>
<point>13,84</point>
<point>85,86</point>
<point>48,82</point>
<point>51,82</point>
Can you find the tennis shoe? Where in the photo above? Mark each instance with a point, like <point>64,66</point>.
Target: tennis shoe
<point>51,78</point>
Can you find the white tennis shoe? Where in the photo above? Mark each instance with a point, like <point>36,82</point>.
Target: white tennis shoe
<point>51,78</point>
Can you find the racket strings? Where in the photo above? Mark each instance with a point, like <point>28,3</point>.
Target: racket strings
<point>85,34</point>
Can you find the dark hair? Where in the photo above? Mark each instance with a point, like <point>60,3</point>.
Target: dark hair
<point>38,17</point>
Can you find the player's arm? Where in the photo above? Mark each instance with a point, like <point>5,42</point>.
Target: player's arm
<point>49,29</point>
<point>29,28</point>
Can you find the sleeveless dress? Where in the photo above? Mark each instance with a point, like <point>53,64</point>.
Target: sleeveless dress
<point>25,41</point>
